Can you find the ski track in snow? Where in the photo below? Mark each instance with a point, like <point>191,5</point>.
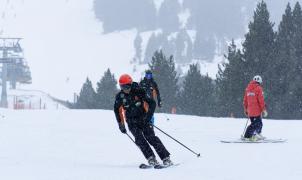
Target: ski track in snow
<point>87,145</point>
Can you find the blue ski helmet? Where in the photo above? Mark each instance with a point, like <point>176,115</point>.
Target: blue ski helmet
<point>148,74</point>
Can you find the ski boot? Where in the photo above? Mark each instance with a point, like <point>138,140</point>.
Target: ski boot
<point>167,161</point>
<point>254,138</point>
<point>152,161</point>
<point>260,137</point>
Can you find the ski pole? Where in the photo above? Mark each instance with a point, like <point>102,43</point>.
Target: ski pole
<point>245,127</point>
<point>131,138</point>
<point>198,155</point>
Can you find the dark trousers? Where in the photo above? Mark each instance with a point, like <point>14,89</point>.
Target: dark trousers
<point>144,135</point>
<point>254,127</point>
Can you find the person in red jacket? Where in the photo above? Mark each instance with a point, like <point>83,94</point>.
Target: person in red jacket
<point>254,108</point>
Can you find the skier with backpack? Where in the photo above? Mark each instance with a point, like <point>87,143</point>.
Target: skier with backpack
<point>151,88</point>
<point>133,106</point>
<point>254,109</point>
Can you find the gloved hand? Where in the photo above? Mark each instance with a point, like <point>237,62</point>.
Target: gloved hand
<point>159,103</point>
<point>264,113</point>
<point>147,119</point>
<point>246,113</point>
<point>122,128</point>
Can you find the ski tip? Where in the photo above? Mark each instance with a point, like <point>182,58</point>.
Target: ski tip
<point>145,166</point>
<point>260,141</point>
<point>198,155</point>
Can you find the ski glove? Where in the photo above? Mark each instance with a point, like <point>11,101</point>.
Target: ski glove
<point>147,119</point>
<point>264,113</point>
<point>159,103</point>
<point>122,128</point>
<point>246,113</point>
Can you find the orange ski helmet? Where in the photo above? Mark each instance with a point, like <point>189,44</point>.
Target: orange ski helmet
<point>125,79</point>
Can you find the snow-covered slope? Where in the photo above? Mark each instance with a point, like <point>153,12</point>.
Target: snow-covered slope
<point>87,145</point>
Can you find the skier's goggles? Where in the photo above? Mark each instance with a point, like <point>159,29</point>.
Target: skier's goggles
<point>125,87</point>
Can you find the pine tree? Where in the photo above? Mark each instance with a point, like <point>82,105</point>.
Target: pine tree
<point>138,48</point>
<point>164,73</point>
<point>297,35</point>
<point>203,47</point>
<point>259,44</point>
<point>167,16</point>
<point>295,89</point>
<point>154,43</point>
<point>168,45</point>
<point>281,71</point>
<point>87,96</point>
<point>106,90</point>
<point>207,96</point>
<point>184,47</point>
<point>190,97</point>
<point>124,14</point>
<point>258,50</point>
<point>197,96</point>
<point>230,83</point>
<point>205,19</point>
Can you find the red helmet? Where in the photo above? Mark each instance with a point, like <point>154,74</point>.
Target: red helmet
<point>125,79</point>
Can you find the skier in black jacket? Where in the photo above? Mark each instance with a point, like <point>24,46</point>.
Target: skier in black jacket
<point>151,88</point>
<point>136,108</point>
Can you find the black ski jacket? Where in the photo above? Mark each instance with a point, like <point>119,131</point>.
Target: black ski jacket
<point>135,107</point>
<point>151,88</point>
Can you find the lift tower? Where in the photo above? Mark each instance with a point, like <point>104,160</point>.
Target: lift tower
<point>10,51</point>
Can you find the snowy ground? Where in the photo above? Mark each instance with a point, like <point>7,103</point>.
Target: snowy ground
<point>87,145</point>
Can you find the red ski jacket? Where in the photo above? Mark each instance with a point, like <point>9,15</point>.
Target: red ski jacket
<point>253,100</point>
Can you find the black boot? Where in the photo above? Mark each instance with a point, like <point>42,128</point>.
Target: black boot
<point>167,161</point>
<point>152,161</point>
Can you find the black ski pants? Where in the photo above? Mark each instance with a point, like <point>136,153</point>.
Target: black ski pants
<point>254,127</point>
<point>144,135</point>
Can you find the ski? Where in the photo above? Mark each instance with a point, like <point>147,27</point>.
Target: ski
<point>161,166</point>
<point>158,166</point>
<point>145,166</point>
<point>259,141</point>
